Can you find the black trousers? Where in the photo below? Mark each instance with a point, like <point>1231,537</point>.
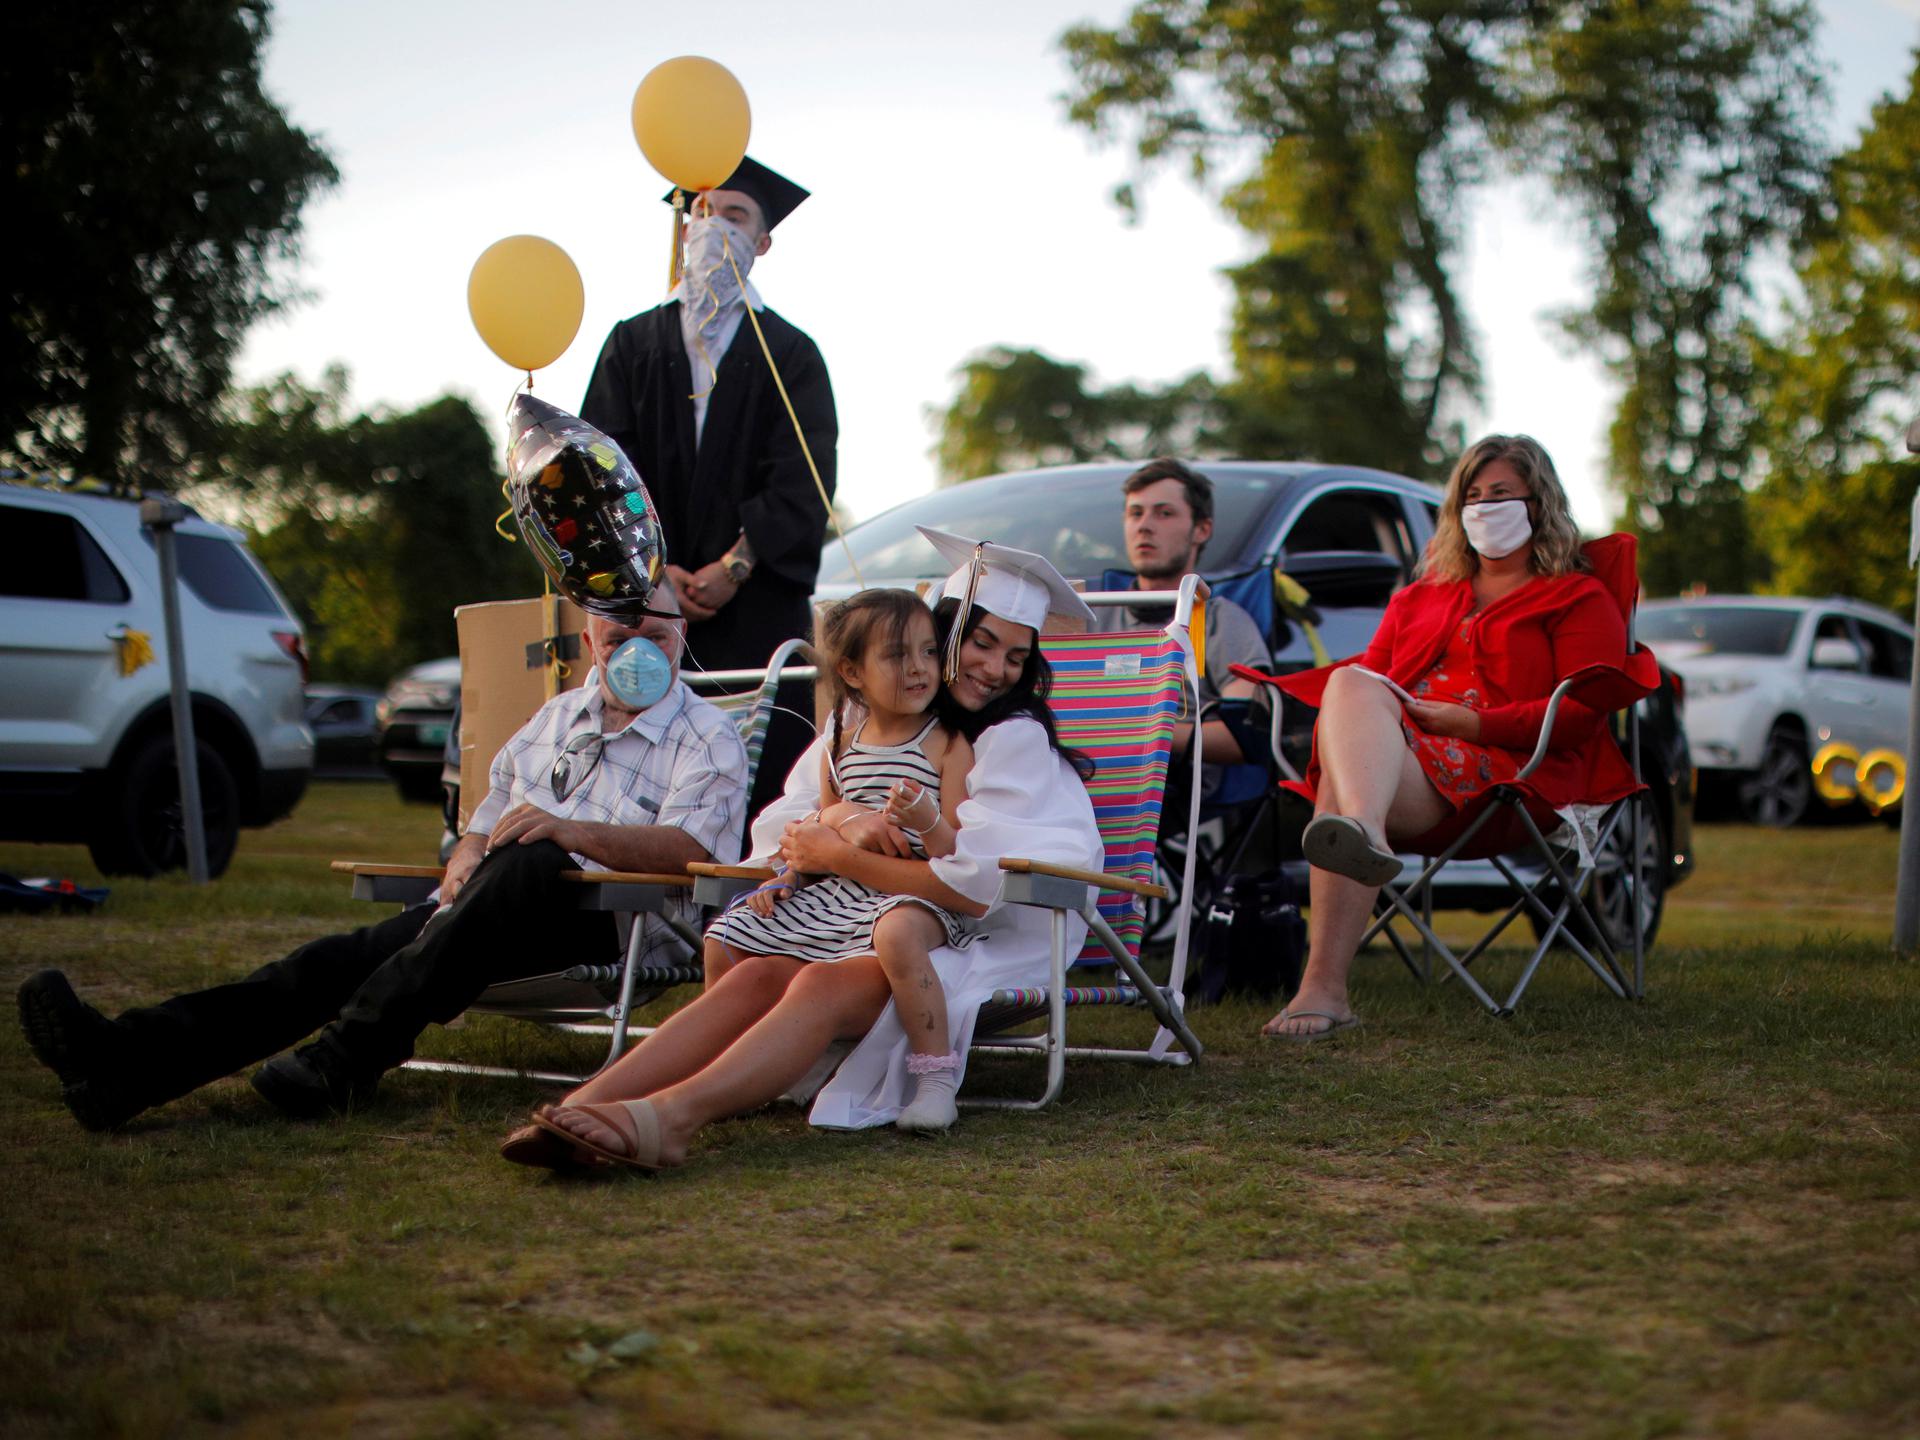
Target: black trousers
<point>376,988</point>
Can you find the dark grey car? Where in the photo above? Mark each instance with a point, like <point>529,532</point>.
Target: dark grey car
<point>1350,535</point>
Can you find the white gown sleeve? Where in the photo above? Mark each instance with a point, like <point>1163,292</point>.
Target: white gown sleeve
<point>799,800</point>
<point>1022,800</point>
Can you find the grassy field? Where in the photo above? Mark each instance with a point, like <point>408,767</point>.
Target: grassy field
<point>1694,1216</point>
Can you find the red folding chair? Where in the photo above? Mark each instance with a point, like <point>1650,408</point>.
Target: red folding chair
<point>1559,895</point>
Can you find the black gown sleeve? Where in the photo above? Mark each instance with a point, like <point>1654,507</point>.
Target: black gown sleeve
<point>609,401</point>
<point>781,512</point>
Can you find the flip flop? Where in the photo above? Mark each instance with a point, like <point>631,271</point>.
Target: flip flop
<point>1308,1037</point>
<point>542,1150</point>
<point>634,1121</point>
<point>1339,843</point>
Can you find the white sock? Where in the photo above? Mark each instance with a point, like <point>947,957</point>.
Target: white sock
<point>936,1081</point>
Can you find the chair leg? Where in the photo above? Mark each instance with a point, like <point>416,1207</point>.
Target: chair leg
<point>1164,1008</point>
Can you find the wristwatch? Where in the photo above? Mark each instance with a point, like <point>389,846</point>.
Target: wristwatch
<point>737,570</point>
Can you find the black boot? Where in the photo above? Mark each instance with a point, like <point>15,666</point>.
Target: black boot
<point>313,1081</point>
<point>84,1048</point>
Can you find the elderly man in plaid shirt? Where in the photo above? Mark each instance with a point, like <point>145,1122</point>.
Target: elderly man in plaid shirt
<point>585,783</point>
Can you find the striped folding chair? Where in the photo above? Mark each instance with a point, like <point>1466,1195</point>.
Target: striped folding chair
<point>599,999</point>
<point>1115,698</point>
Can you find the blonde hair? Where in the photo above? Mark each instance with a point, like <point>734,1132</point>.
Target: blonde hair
<point>1556,539</point>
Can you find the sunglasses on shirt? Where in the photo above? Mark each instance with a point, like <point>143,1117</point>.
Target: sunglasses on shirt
<point>575,762</point>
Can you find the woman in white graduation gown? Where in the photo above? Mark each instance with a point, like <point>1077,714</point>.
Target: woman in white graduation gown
<point>767,1024</point>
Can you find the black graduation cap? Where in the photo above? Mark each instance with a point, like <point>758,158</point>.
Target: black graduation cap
<point>778,196</point>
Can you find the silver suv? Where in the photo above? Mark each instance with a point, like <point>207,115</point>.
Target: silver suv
<point>86,740</point>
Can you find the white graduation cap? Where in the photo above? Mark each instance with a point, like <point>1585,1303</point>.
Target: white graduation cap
<point>1016,585</point>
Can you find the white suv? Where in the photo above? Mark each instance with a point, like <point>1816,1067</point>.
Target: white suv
<point>1781,688</point>
<point>86,734</point>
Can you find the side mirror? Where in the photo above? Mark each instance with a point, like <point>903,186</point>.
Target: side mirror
<point>1835,653</point>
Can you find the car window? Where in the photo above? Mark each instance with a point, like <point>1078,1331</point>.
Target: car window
<point>52,557</point>
<point>1889,653</point>
<point>1720,629</point>
<point>339,712</point>
<point>218,572</point>
<point>1075,521</point>
<point>1360,520</point>
<point>1835,627</point>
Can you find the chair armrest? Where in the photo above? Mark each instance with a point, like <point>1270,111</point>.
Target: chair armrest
<point>623,877</point>
<point>399,872</point>
<point>730,872</point>
<point>1086,877</point>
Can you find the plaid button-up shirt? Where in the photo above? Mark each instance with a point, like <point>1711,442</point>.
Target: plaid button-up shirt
<point>680,763</point>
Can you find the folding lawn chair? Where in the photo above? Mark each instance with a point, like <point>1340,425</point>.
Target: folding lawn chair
<point>1115,698</point>
<point>1560,897</point>
<point>599,998</point>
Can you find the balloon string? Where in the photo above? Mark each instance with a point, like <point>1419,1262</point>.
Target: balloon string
<point>506,480</point>
<point>793,415</point>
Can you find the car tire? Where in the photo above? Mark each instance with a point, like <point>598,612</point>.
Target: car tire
<point>143,830</point>
<point>1609,894</point>
<point>421,789</point>
<point>1779,792</point>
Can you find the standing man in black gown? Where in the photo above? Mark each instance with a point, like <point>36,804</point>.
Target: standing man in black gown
<point>685,390</point>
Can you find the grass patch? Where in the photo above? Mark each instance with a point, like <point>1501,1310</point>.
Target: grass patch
<point>1693,1216</point>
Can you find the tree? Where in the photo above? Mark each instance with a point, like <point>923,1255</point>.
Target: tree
<point>152,190</point>
<point>376,525</point>
<point>1367,124</point>
<point>1017,409</point>
<point>1841,382</point>
<point>1681,132</point>
<point>1684,134</point>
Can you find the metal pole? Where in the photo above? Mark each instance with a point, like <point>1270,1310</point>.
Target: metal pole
<point>160,516</point>
<point>1906,905</point>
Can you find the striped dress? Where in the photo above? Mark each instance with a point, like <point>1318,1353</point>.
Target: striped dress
<point>833,918</point>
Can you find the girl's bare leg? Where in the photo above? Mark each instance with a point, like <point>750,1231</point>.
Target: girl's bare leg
<point>694,1035</point>
<point>904,940</point>
<point>823,1003</point>
<point>1339,909</point>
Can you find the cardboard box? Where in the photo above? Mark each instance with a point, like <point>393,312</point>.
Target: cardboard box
<point>515,655</point>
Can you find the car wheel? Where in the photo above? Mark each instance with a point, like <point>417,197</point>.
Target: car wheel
<point>143,831</point>
<point>1611,894</point>
<point>421,787</point>
<point>1779,793</point>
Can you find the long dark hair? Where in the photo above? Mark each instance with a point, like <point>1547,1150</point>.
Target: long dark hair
<point>851,628</point>
<point>1027,697</point>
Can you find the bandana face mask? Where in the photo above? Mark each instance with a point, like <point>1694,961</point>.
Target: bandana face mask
<point>711,285</point>
<point>1496,528</point>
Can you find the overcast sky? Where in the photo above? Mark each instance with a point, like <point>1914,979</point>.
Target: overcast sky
<point>954,208</point>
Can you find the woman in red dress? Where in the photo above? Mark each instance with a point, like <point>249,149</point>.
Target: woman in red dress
<point>1504,607</point>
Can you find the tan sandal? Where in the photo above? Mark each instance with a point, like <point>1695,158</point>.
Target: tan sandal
<point>543,1150</point>
<point>636,1122</point>
<point>1340,844</point>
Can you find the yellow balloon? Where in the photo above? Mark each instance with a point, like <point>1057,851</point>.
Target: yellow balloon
<point>691,118</point>
<point>526,300</point>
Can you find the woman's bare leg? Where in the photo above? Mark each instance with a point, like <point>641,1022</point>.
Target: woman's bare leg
<point>824,1003</point>
<point>904,940</point>
<point>1339,909</point>
<point>697,1033</point>
<point>1361,747</point>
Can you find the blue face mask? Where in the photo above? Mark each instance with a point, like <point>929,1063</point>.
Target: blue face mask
<point>639,674</point>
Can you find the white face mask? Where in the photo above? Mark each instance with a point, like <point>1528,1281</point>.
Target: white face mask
<point>1496,528</point>
<point>709,278</point>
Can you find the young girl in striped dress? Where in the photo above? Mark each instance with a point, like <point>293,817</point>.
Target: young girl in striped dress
<point>891,763</point>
